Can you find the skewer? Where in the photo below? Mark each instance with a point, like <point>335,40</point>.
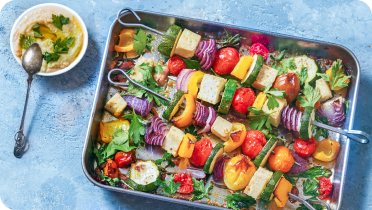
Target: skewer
<point>307,203</point>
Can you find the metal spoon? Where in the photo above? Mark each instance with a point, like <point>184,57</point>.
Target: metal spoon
<point>31,63</point>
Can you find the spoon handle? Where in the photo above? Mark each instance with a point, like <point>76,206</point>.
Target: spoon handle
<point>20,140</point>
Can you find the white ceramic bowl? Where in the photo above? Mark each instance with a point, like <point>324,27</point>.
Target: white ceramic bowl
<point>83,27</point>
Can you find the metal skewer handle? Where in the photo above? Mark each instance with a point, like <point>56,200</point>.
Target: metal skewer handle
<point>345,133</point>
<point>307,203</point>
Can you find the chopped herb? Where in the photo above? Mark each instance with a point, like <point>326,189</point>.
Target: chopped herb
<point>339,79</point>
<point>49,57</point>
<point>239,201</point>
<point>311,96</point>
<point>119,142</point>
<point>36,30</point>
<point>311,186</point>
<point>170,187</point>
<point>136,129</point>
<point>25,41</point>
<point>284,66</point>
<point>233,41</point>
<point>140,41</point>
<point>113,182</point>
<point>191,130</point>
<point>316,171</point>
<point>321,131</point>
<point>303,75</point>
<point>158,69</point>
<point>280,56</point>
<point>59,21</point>
<point>63,46</point>
<point>272,102</point>
<point>199,192</point>
<point>259,118</point>
<point>347,104</point>
<point>166,157</point>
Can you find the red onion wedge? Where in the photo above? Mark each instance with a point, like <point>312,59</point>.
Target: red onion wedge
<point>219,168</point>
<point>141,105</point>
<point>303,164</point>
<point>156,130</point>
<point>201,115</point>
<point>210,121</point>
<point>180,77</point>
<point>291,119</point>
<point>185,80</point>
<point>206,53</point>
<point>334,111</point>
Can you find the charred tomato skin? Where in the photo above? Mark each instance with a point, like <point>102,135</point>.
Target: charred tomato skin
<point>325,188</point>
<point>253,143</point>
<point>124,159</point>
<point>226,60</point>
<point>202,150</point>
<point>186,182</point>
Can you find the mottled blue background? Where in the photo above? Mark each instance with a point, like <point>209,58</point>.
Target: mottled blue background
<point>49,176</point>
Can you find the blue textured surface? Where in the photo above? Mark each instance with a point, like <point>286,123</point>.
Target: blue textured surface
<point>49,176</point>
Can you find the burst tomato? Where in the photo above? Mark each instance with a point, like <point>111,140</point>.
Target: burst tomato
<point>226,60</point>
<point>202,150</point>
<point>325,187</point>
<point>253,143</point>
<point>176,64</point>
<point>124,159</point>
<point>186,182</point>
<point>243,98</point>
<point>111,169</point>
<point>305,148</point>
<point>258,48</point>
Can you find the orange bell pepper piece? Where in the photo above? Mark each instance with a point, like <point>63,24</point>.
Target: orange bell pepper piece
<point>281,192</point>
<point>126,40</point>
<point>236,137</point>
<point>111,169</point>
<point>326,150</point>
<point>185,119</point>
<point>187,146</point>
<point>194,83</point>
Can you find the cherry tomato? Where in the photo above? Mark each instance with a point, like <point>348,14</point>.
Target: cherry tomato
<point>124,159</point>
<point>258,48</point>
<point>176,64</point>
<point>301,108</point>
<point>202,150</point>
<point>253,143</point>
<point>243,98</point>
<point>325,187</point>
<point>226,60</point>
<point>186,182</point>
<point>282,160</point>
<point>111,169</point>
<point>305,148</point>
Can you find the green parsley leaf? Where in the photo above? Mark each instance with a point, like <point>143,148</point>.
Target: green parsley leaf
<point>290,179</point>
<point>272,102</point>
<point>316,171</point>
<point>280,56</point>
<point>140,41</point>
<point>191,130</point>
<point>199,191</point>
<point>259,118</point>
<point>25,41</point>
<point>98,152</point>
<point>303,75</point>
<point>36,30</point>
<point>239,201</point>
<point>119,142</point>
<point>347,104</point>
<point>311,186</point>
<point>170,187</point>
<point>321,131</point>
<point>49,57</point>
<point>158,69</point>
<point>59,21</point>
<point>338,77</point>
<point>136,128</point>
<point>63,46</point>
<point>311,96</point>
<point>166,157</point>
<point>113,182</point>
<point>284,66</point>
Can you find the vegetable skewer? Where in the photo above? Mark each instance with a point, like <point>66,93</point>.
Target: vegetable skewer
<point>307,203</point>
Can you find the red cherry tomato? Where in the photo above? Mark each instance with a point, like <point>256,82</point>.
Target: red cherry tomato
<point>176,64</point>
<point>226,60</point>
<point>305,148</point>
<point>325,187</point>
<point>253,143</point>
<point>124,159</point>
<point>202,150</point>
<point>186,182</point>
<point>258,48</point>
<point>111,169</point>
<point>243,98</point>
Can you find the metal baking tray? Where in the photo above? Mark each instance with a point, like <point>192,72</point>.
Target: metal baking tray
<point>293,44</point>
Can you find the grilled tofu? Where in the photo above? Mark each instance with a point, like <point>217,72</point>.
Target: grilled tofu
<point>258,183</point>
<point>274,118</point>
<point>325,91</point>
<point>187,44</point>
<point>266,75</point>
<point>210,88</point>
<point>173,140</point>
<point>116,105</point>
<point>222,128</point>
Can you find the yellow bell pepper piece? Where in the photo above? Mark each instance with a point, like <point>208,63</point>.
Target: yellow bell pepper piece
<point>326,150</point>
<point>281,192</point>
<point>239,171</point>
<point>126,40</point>
<point>329,72</point>
<point>260,101</point>
<point>237,137</point>
<point>242,67</point>
<point>187,146</point>
<point>185,119</point>
<point>194,83</point>
<point>107,129</point>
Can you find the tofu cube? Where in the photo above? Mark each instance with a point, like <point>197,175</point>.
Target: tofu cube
<point>258,183</point>
<point>210,88</point>
<point>325,91</point>
<point>173,140</point>
<point>187,44</point>
<point>274,118</point>
<point>116,105</point>
<point>222,128</point>
<point>266,75</point>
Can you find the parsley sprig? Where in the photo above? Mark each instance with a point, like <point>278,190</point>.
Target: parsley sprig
<point>284,65</point>
<point>63,46</point>
<point>280,56</point>
<point>339,79</point>
<point>303,75</point>
<point>271,94</point>
<point>36,30</point>
<point>166,157</point>
<point>199,192</point>
<point>191,130</point>
<point>25,41</point>
<point>59,21</point>
<point>140,41</point>
<point>113,182</point>
<point>259,118</point>
<point>170,187</point>
<point>311,96</point>
<point>239,201</point>
<point>321,131</point>
<point>137,129</point>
